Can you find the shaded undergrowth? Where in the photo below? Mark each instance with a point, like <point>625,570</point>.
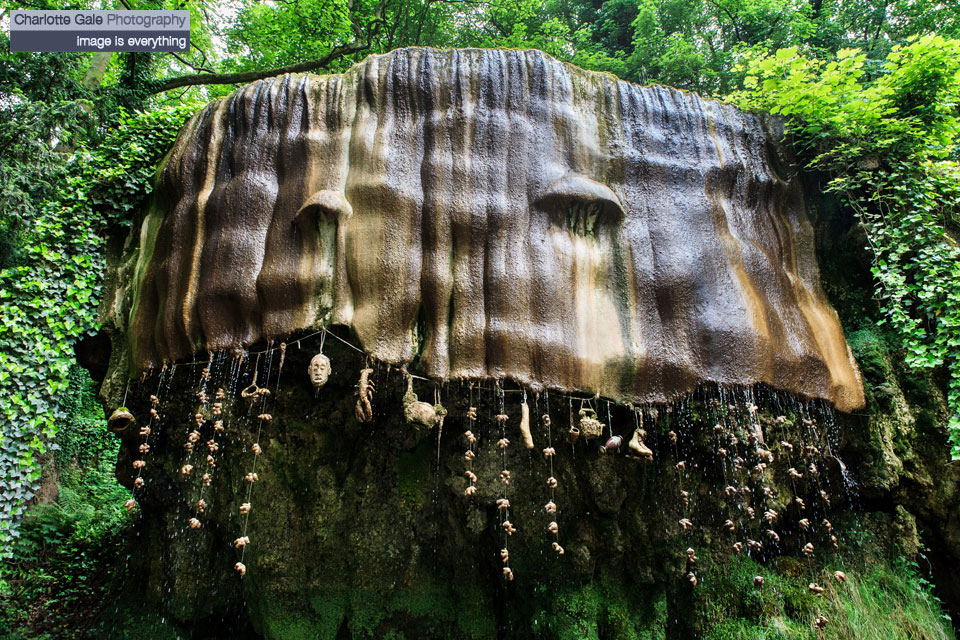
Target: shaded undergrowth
<point>878,601</point>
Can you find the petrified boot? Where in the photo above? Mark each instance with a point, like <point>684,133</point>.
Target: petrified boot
<point>638,447</point>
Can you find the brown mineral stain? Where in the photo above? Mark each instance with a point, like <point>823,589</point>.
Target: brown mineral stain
<point>458,171</point>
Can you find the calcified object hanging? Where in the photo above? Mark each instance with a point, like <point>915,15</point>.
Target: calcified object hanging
<point>204,412</point>
<point>212,447</point>
<point>551,507</point>
<point>638,447</point>
<point>319,370</point>
<point>121,420</point>
<point>525,423</point>
<point>304,200</point>
<point>503,503</point>
<point>365,388</point>
<point>470,453</point>
<point>612,444</point>
<point>258,402</point>
<point>590,427</point>
<point>417,413</point>
<point>127,421</point>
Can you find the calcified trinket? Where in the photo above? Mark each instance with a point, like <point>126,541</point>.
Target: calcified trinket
<point>319,370</point>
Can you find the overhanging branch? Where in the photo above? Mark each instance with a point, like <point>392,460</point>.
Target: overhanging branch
<point>244,77</point>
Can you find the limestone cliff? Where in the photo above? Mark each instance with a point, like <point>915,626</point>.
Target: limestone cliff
<point>525,235</point>
<point>489,214</point>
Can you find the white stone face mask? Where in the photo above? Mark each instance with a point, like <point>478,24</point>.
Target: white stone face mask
<point>319,370</point>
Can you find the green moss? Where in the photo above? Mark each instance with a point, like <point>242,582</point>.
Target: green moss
<point>600,608</point>
<point>880,600</point>
<point>428,609</point>
<point>413,477</point>
<point>870,349</point>
<point>330,610</point>
<point>293,628</point>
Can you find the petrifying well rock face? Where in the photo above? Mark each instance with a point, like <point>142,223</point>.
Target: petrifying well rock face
<point>494,214</point>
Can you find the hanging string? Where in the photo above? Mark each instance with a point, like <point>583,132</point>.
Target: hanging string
<point>721,454</point>
<point>143,446</point>
<point>193,436</point>
<point>609,422</point>
<point>471,452</point>
<point>251,477</point>
<point>436,403</point>
<point>503,504</point>
<point>551,507</point>
<point>214,447</point>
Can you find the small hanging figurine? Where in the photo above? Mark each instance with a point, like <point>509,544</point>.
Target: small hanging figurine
<point>365,389</point>
<point>319,370</point>
<point>525,423</point>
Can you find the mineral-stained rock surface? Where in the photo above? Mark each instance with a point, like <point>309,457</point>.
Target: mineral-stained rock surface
<point>498,214</point>
<point>488,214</point>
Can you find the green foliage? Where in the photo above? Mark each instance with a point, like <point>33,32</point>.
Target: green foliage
<point>60,565</point>
<point>43,108</point>
<point>889,142</point>
<point>83,441</point>
<point>697,45</point>
<point>731,608</point>
<point>48,298</point>
<point>693,44</point>
<point>600,608</point>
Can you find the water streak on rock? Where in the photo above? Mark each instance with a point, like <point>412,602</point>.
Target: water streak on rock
<point>494,214</point>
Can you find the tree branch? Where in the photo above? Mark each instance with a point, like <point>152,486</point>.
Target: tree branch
<point>190,64</point>
<point>244,77</point>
